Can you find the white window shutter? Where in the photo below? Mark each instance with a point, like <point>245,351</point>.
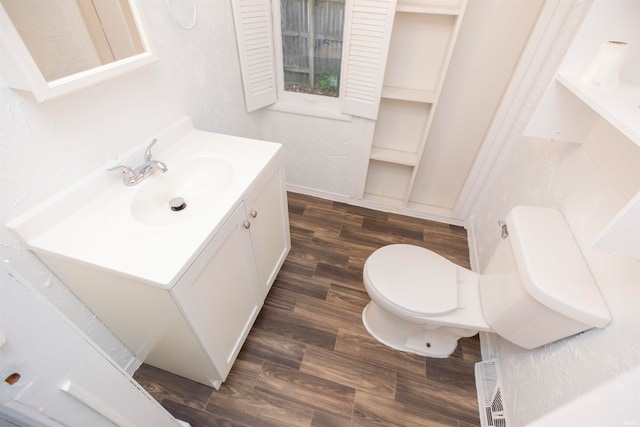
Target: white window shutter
<point>367,35</point>
<point>254,33</point>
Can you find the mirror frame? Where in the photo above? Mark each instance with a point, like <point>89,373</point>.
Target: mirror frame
<point>19,70</point>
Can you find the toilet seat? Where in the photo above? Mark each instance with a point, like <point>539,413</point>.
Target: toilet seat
<point>412,279</point>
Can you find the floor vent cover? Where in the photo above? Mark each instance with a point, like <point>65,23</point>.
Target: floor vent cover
<point>490,399</point>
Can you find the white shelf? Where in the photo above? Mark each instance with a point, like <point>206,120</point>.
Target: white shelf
<point>393,156</point>
<point>435,7</point>
<point>620,108</point>
<point>419,51</point>
<point>622,234</point>
<point>403,94</point>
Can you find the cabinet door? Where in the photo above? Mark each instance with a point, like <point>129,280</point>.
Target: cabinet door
<point>268,215</point>
<point>219,293</point>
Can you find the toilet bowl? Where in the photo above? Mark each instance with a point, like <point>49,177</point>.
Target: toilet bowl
<point>536,289</point>
<point>421,302</point>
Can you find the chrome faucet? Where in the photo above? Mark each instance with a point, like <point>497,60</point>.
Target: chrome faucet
<point>135,176</point>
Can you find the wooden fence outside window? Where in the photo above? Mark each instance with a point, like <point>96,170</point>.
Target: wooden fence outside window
<point>312,45</point>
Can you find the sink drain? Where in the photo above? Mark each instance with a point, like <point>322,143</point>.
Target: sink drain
<point>177,204</point>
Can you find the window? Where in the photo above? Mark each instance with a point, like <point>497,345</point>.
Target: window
<point>367,32</point>
<point>312,45</point>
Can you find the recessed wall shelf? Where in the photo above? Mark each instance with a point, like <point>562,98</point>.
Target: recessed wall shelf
<point>421,45</point>
<point>394,156</point>
<point>559,116</point>
<point>434,7</point>
<point>426,96</point>
<point>571,107</point>
<point>622,234</point>
<point>620,108</point>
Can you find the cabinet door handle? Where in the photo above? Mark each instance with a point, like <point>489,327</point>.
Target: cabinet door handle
<point>253,213</point>
<point>246,224</point>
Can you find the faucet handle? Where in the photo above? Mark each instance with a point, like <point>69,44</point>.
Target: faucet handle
<point>129,176</point>
<point>147,153</point>
<point>124,169</point>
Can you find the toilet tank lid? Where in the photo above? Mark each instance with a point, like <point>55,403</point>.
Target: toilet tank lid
<point>551,266</point>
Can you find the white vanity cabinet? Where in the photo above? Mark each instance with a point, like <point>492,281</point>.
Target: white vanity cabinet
<point>223,290</point>
<point>268,222</point>
<point>182,290</point>
<point>219,293</point>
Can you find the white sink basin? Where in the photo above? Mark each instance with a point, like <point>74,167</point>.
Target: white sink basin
<point>132,230</point>
<point>201,181</point>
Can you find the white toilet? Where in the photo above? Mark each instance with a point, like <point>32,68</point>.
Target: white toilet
<point>536,289</point>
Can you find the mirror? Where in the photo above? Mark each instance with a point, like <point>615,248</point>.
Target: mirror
<point>58,46</point>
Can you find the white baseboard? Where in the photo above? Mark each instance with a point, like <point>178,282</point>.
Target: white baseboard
<point>415,213</point>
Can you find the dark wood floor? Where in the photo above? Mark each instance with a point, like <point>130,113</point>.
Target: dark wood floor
<point>308,360</point>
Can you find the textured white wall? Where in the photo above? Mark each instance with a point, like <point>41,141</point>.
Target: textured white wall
<point>320,154</point>
<point>46,147</point>
<point>588,183</point>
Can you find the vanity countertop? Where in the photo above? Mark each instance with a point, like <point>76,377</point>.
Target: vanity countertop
<point>93,222</point>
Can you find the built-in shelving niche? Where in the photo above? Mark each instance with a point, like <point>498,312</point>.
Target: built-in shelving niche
<point>424,33</point>
<point>571,106</point>
<point>419,45</point>
<point>386,181</point>
<point>398,131</point>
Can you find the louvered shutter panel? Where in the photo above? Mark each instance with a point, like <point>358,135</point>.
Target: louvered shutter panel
<point>367,35</point>
<point>254,32</point>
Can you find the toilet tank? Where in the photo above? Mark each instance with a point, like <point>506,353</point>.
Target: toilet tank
<point>537,287</point>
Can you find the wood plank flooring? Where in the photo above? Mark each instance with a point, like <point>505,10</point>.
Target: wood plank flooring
<point>308,360</point>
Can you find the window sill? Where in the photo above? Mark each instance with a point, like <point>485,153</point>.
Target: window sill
<point>310,105</point>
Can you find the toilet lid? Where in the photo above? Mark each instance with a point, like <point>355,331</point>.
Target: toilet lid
<point>413,279</point>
